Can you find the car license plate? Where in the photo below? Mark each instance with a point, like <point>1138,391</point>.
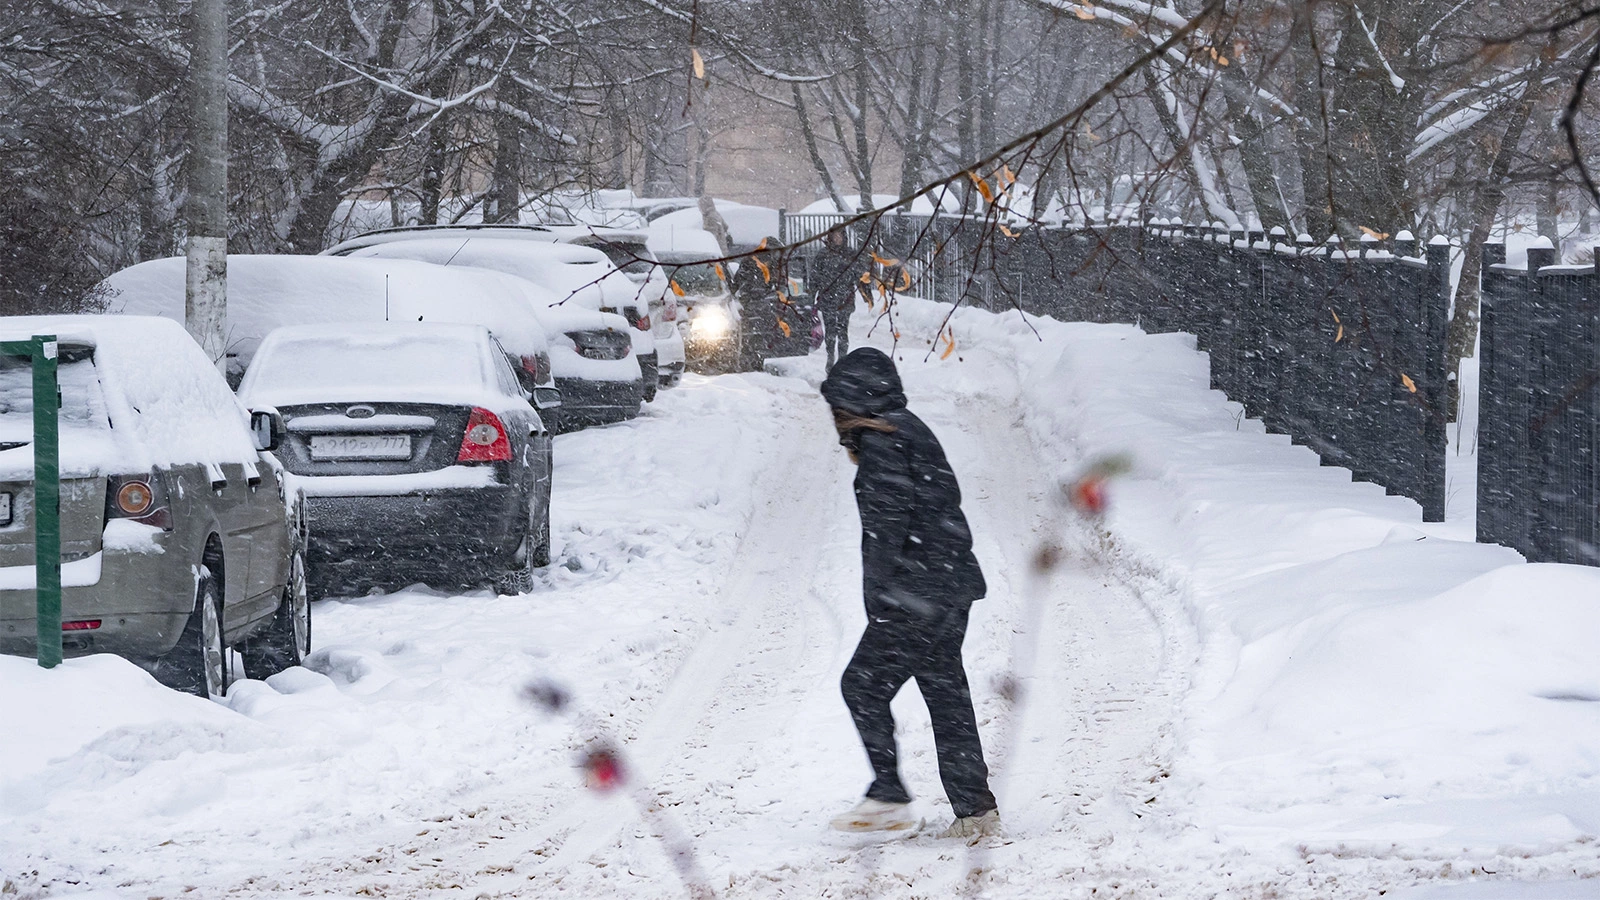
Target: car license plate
<point>361,446</point>
<point>5,508</point>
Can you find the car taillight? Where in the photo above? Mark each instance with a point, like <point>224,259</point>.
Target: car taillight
<point>485,439</point>
<point>642,323</point>
<point>81,625</point>
<point>669,312</point>
<point>530,364</point>
<point>140,498</point>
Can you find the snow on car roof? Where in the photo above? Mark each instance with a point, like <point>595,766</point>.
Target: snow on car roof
<point>167,403</point>
<point>424,362</point>
<point>747,225</point>
<point>539,233</point>
<point>682,242</point>
<point>564,270</point>
<point>266,292</point>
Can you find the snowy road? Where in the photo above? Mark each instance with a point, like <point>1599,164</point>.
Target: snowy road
<point>706,598</point>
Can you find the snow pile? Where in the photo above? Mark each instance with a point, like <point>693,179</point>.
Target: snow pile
<point>1364,678</point>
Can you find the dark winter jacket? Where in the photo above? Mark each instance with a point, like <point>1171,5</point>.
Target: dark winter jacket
<point>835,276</point>
<point>916,548</point>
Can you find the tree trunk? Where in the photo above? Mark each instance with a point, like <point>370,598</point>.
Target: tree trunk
<point>504,202</point>
<point>1265,195</point>
<point>1310,133</point>
<point>1463,331</point>
<point>810,139</point>
<point>206,270</point>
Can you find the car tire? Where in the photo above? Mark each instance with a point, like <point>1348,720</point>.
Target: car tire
<point>518,577</point>
<point>286,642</point>
<point>198,664</point>
<point>541,529</point>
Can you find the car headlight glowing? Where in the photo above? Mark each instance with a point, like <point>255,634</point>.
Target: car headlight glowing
<point>711,323</point>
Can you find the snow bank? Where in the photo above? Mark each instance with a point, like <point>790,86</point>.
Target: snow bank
<point>1364,678</point>
<point>100,721</point>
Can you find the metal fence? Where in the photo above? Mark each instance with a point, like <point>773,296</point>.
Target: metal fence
<point>928,247</point>
<point>1341,349</point>
<point>1539,408</point>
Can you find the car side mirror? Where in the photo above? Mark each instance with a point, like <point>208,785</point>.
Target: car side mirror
<point>266,428</point>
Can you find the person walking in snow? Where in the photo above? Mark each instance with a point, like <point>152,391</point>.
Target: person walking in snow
<point>836,273</point>
<point>919,581</point>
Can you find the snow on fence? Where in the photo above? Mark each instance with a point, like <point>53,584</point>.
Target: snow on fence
<point>1341,349</point>
<point>1539,408</point>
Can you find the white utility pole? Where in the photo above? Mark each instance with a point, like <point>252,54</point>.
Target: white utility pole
<point>206,274</point>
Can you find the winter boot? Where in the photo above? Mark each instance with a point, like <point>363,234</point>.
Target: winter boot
<point>972,828</point>
<point>876,815</point>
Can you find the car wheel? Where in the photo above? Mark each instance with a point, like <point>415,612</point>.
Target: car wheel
<point>286,642</point>
<point>518,577</point>
<point>199,663</point>
<point>541,545</point>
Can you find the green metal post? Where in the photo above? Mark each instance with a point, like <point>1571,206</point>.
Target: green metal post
<point>47,499</point>
<point>41,351</point>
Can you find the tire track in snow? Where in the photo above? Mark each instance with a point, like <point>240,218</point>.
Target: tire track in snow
<point>768,646</point>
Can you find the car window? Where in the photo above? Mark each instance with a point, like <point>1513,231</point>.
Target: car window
<point>700,278</point>
<point>83,404</point>
<point>506,367</point>
<point>368,361</point>
<point>633,258</point>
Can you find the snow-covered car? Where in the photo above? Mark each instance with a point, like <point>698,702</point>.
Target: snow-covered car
<point>747,225</point>
<point>649,304</point>
<point>630,252</point>
<point>265,292</point>
<point>416,448</point>
<point>708,317</point>
<point>572,276</point>
<point>180,536</point>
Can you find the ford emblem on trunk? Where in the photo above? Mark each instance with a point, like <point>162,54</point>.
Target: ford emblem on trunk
<point>360,412</point>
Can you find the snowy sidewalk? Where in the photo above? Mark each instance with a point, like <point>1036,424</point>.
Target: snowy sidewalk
<point>1258,679</point>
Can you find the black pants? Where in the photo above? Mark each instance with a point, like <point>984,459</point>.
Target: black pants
<point>836,335</point>
<point>890,654</point>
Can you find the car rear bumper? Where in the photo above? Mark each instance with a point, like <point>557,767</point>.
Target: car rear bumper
<point>390,539</point>
<point>141,599</point>
<point>586,402</point>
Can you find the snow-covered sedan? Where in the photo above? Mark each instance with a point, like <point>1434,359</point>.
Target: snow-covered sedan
<point>417,450</point>
<point>180,536</point>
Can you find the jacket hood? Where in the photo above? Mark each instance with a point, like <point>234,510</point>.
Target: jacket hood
<point>864,383</point>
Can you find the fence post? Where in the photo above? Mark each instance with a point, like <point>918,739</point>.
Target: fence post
<point>1435,380</point>
<point>1494,401</point>
<point>1540,324</point>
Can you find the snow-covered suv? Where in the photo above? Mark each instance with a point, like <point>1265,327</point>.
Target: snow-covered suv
<point>180,537</point>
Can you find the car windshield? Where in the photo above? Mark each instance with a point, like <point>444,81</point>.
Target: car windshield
<point>394,363</point>
<point>629,257</point>
<point>700,278</point>
<point>82,403</point>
